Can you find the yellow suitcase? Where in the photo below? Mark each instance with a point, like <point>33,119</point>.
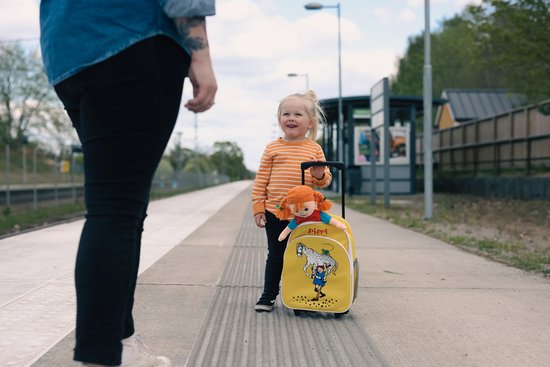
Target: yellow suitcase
<point>320,268</point>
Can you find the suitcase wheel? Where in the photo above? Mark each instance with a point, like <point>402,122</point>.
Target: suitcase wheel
<point>339,315</point>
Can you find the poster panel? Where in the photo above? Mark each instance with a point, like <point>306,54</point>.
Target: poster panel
<point>399,145</point>
<point>363,144</point>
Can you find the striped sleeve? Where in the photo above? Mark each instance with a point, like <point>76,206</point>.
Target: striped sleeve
<point>259,190</point>
<point>280,171</point>
<point>327,178</point>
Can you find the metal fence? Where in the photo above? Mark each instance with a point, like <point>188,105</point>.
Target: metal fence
<point>188,181</point>
<point>31,175</point>
<point>32,178</point>
<point>516,142</point>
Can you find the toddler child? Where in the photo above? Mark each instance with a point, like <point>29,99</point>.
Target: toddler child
<point>299,116</point>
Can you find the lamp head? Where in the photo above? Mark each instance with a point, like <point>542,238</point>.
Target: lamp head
<point>313,6</point>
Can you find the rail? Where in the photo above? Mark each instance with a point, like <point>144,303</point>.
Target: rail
<point>517,141</point>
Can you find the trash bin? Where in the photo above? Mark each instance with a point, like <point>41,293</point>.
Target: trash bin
<point>355,180</point>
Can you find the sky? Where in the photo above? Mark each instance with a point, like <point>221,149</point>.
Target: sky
<point>255,44</point>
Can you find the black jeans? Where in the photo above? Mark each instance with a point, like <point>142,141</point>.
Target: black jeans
<point>274,261</point>
<point>124,110</point>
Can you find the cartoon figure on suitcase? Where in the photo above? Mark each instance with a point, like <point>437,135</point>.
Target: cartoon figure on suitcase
<point>321,265</point>
<point>319,280</point>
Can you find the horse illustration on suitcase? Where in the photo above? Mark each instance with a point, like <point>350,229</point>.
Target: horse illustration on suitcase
<point>315,259</point>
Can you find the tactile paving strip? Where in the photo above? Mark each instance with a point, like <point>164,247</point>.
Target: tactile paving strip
<point>235,335</point>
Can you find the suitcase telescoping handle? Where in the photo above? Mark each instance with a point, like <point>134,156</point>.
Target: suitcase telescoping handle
<point>340,166</point>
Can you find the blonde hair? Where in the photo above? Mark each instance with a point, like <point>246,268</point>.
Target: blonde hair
<point>313,109</point>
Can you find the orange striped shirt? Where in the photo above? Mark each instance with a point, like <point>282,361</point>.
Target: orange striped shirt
<point>280,171</point>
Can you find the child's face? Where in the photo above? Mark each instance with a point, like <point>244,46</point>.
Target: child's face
<point>294,119</point>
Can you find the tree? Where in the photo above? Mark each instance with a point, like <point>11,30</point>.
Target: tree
<point>408,80</point>
<point>28,105</point>
<point>456,57</point>
<point>455,60</point>
<point>228,160</point>
<point>498,44</point>
<point>198,163</point>
<point>178,157</point>
<point>515,43</point>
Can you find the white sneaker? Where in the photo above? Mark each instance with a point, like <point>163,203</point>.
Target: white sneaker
<point>134,354</point>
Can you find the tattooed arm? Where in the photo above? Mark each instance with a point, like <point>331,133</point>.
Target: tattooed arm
<point>201,74</point>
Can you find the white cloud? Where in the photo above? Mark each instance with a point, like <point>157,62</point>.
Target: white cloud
<point>384,14</point>
<point>252,66</point>
<point>407,16</point>
<point>388,15</point>
<point>463,3</point>
<point>256,43</point>
<point>421,3</point>
<point>415,3</point>
<point>366,67</point>
<point>19,19</point>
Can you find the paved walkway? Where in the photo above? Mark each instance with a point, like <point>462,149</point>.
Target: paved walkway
<point>421,302</point>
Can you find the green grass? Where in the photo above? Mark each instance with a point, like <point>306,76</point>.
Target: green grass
<point>14,220</point>
<point>533,261</point>
<point>476,214</point>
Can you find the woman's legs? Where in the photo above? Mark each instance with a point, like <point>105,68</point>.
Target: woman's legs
<point>124,110</point>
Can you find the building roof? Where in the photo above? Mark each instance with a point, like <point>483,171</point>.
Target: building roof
<point>330,105</point>
<point>473,104</point>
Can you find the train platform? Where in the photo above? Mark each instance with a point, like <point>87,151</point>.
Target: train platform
<point>421,302</point>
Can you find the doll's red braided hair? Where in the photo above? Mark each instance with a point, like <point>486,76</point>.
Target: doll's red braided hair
<point>299,195</point>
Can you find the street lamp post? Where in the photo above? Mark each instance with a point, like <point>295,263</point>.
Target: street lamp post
<point>24,142</point>
<point>318,6</point>
<point>293,75</point>
<point>428,164</point>
<point>196,143</point>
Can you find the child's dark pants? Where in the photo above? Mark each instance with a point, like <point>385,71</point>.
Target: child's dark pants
<point>276,250</point>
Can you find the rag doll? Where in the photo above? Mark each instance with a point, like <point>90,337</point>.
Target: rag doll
<point>303,204</point>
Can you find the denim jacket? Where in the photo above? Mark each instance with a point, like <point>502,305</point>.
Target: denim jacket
<point>75,34</point>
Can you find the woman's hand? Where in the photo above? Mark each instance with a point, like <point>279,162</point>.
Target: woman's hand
<point>201,73</point>
<point>204,84</point>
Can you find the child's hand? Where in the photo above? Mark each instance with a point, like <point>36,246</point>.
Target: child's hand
<point>340,225</point>
<point>337,224</point>
<point>259,218</point>
<point>317,172</point>
<point>284,234</point>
